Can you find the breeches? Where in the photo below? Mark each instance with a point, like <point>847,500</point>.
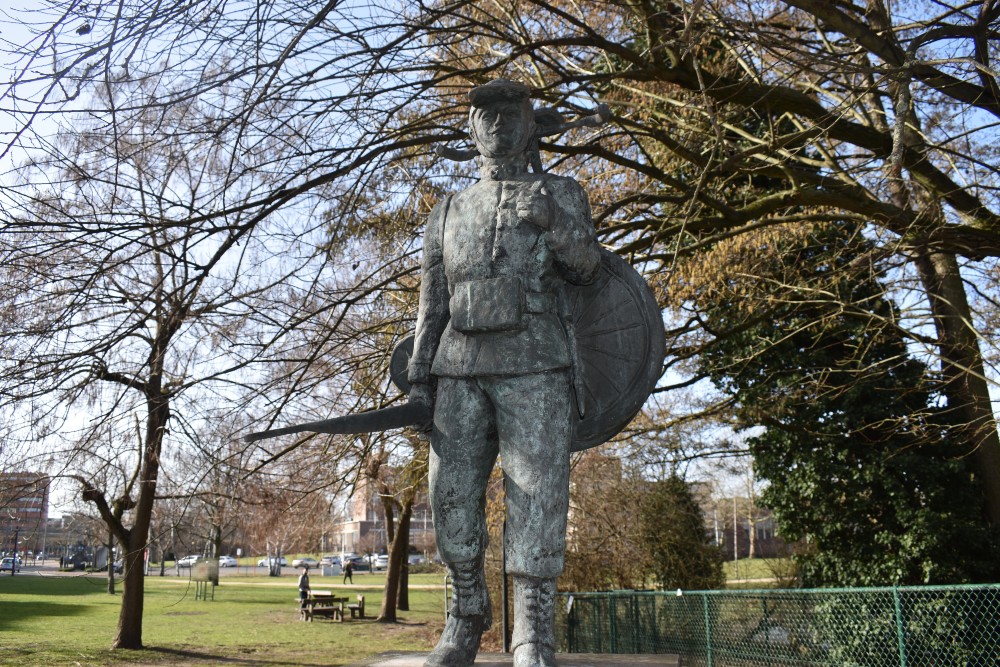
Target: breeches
<point>526,420</point>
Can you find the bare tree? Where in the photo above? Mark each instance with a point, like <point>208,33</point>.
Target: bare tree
<point>604,549</point>
<point>134,311</point>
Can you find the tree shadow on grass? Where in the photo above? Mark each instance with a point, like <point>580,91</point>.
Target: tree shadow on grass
<point>15,611</point>
<point>196,657</point>
<point>61,586</point>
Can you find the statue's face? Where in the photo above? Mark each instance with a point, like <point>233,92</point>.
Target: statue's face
<point>500,129</point>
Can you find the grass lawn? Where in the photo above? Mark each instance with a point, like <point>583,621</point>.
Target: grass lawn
<point>71,620</point>
<point>762,570</point>
<point>253,621</point>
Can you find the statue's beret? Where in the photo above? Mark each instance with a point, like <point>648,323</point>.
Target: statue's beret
<point>498,90</point>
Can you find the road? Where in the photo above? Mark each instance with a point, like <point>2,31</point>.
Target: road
<point>289,576</point>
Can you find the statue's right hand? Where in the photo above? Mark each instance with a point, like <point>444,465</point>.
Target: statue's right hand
<point>422,393</point>
<point>535,205</point>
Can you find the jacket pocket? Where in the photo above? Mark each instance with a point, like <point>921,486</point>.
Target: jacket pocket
<point>488,306</point>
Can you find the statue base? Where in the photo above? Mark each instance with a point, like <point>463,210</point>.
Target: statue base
<point>506,659</point>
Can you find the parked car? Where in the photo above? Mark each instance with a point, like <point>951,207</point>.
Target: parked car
<point>331,559</point>
<point>416,559</point>
<point>360,564</point>
<point>305,562</point>
<point>189,561</point>
<point>382,562</point>
<point>266,562</point>
<point>228,561</point>
<point>10,564</point>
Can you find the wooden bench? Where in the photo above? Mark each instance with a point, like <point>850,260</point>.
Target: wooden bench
<point>358,608</point>
<point>323,604</point>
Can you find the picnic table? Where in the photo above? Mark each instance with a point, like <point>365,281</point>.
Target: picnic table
<point>323,604</point>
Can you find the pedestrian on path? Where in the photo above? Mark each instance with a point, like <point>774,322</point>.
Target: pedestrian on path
<point>303,587</point>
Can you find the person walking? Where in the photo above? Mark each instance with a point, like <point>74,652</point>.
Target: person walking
<point>348,572</point>
<point>303,587</point>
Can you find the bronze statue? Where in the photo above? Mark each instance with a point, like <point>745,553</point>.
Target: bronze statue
<point>531,342</point>
<point>490,334</point>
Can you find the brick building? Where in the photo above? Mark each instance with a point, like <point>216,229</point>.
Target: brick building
<point>24,503</point>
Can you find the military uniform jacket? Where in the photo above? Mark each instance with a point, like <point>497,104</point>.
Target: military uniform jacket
<point>475,248</point>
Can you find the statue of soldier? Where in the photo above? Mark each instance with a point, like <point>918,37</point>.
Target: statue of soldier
<point>532,341</point>
<point>493,357</point>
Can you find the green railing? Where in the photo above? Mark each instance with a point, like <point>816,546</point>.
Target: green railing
<point>871,627</point>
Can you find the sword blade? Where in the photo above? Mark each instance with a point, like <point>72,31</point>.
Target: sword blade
<point>398,416</point>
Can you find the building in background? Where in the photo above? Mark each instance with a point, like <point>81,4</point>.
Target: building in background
<point>24,510</point>
<point>363,530</point>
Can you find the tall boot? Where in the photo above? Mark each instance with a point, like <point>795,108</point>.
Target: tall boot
<point>470,615</point>
<point>534,641</point>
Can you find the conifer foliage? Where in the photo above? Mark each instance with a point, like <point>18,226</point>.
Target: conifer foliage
<point>673,532</point>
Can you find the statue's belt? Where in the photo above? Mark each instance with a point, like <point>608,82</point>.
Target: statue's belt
<point>534,302</point>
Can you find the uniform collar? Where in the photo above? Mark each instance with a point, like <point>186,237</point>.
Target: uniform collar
<point>502,169</point>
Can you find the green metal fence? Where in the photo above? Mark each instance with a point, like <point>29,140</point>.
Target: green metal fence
<point>870,627</point>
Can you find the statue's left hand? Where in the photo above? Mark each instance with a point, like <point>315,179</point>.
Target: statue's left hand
<point>536,206</point>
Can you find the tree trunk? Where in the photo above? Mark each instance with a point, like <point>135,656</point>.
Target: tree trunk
<point>129,634</point>
<point>274,562</point>
<point>388,514</point>
<point>403,535</point>
<point>403,592</point>
<point>963,374</point>
<point>134,540</point>
<point>216,539</point>
<point>397,556</point>
<point>111,562</point>
<point>216,551</point>
<point>173,544</point>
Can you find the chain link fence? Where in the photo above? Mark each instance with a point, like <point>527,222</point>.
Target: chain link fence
<point>869,627</point>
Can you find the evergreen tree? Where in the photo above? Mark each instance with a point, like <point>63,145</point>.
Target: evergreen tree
<point>673,531</point>
<point>861,466</point>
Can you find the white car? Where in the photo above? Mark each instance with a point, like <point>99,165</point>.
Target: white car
<point>266,562</point>
<point>228,561</point>
<point>9,564</point>
<point>189,561</point>
<point>416,559</point>
<point>381,562</point>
